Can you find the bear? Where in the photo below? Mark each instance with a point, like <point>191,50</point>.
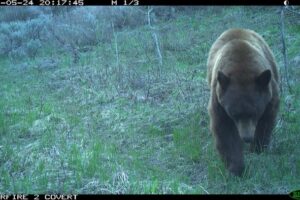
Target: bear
<point>244,95</point>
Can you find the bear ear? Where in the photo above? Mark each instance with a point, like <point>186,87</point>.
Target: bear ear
<point>223,79</point>
<point>264,78</point>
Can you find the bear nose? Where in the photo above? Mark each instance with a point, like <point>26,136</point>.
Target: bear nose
<point>247,139</point>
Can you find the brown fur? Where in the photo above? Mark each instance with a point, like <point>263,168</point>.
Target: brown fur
<point>244,100</point>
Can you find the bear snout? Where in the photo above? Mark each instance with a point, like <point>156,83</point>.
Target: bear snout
<point>246,129</point>
<point>247,139</point>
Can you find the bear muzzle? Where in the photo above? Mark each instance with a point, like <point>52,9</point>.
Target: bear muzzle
<point>246,129</point>
<point>247,139</point>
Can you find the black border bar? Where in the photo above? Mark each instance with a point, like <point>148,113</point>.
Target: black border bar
<point>189,2</point>
<point>185,197</point>
<point>130,196</point>
<point>212,2</point>
<point>146,2</point>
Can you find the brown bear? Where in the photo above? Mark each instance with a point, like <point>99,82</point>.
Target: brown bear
<point>244,101</point>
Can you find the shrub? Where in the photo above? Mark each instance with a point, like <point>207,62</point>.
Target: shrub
<point>19,14</point>
<point>23,38</point>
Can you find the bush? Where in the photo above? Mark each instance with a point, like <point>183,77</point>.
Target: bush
<point>23,38</point>
<point>19,14</point>
<point>79,30</point>
<point>123,17</point>
<point>32,47</point>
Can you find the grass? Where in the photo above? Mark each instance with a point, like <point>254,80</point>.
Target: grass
<point>74,129</point>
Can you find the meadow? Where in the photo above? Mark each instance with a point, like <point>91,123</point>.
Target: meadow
<point>100,107</point>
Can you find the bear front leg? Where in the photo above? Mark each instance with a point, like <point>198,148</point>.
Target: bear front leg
<point>264,128</point>
<point>231,152</point>
<point>228,142</point>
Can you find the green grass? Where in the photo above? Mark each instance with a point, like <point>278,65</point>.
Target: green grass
<point>71,129</point>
